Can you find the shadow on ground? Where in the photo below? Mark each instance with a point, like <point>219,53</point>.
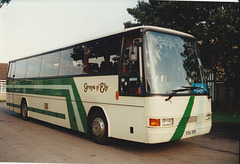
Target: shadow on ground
<point>226,130</point>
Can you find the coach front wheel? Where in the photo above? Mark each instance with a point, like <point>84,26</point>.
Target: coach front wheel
<point>98,128</point>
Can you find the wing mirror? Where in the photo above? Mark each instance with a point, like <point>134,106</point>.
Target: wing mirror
<point>133,49</point>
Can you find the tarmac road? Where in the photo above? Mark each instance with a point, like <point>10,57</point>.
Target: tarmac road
<point>36,141</point>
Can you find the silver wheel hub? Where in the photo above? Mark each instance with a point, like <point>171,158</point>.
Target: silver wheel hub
<point>98,127</point>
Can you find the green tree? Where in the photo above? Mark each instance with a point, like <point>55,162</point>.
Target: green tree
<point>3,1</point>
<point>215,25</point>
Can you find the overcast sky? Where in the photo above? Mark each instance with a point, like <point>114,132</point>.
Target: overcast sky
<point>28,27</point>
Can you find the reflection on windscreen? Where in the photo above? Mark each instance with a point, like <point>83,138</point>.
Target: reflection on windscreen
<point>171,62</point>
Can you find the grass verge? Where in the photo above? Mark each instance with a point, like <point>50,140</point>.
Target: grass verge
<point>226,117</point>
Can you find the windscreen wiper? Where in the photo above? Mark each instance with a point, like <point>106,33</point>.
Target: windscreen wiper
<point>174,92</point>
<point>186,88</point>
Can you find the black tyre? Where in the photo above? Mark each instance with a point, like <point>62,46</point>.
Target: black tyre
<point>24,110</point>
<point>98,128</point>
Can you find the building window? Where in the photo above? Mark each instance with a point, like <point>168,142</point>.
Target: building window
<point>2,87</point>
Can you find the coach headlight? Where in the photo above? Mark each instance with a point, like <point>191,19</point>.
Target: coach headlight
<point>167,121</point>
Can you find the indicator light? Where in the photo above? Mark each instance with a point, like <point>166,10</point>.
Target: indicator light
<point>154,122</point>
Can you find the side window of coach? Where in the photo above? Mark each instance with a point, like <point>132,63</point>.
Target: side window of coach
<point>20,70</point>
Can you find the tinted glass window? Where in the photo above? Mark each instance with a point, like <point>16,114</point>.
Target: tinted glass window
<point>10,69</point>
<point>20,69</point>
<point>67,64</point>
<point>13,66</point>
<point>33,68</point>
<point>100,56</point>
<point>50,64</point>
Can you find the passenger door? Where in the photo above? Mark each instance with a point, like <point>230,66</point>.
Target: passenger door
<point>131,83</point>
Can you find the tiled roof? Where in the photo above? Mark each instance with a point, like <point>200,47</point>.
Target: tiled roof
<point>3,71</point>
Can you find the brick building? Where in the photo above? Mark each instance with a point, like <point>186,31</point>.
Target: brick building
<point>3,77</point>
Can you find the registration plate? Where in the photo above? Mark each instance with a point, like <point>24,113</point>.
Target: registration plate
<point>189,132</point>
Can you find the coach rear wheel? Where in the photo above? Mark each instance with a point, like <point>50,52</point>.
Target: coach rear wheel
<point>24,110</point>
<point>98,128</point>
